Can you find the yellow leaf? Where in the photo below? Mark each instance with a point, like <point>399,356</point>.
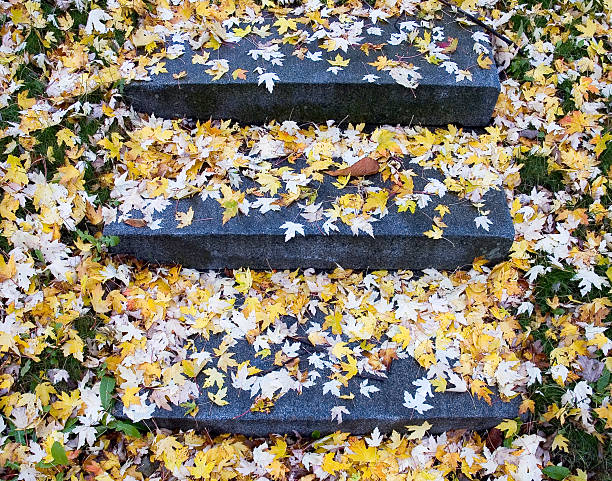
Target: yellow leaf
<point>417,432</point>
<point>43,392</point>
<point>279,449</point>
<point>560,442</point>
<point>339,61</point>
<point>402,337</point>
<point>284,24</point>
<point>527,405</point>
<point>66,403</point>
<point>605,413</point>
<point>200,59</point>
<point>24,101</point>
<point>385,140</point>
<point>509,426</point>
<point>340,350</point>
<point>180,75</point>
<point>440,384</point>
<point>442,209</point>
<point>242,32</point>
<point>7,269</point>
<point>330,466</point>
<point>362,453</point>
<point>480,389</point>
<point>484,61</point>
<point>159,68</point>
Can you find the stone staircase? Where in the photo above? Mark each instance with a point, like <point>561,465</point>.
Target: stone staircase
<point>307,91</point>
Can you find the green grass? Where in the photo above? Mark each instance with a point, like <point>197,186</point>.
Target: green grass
<point>33,373</point>
<point>534,173</point>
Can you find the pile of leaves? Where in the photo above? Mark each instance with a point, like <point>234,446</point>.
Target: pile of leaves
<point>80,329</point>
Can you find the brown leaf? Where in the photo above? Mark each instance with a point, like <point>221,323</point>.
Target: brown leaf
<point>363,167</point>
<point>494,439</point>
<point>387,356</point>
<point>136,222</point>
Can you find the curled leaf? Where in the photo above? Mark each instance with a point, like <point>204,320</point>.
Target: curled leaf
<point>363,167</point>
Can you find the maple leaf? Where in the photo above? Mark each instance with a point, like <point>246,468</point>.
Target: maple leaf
<point>402,337</point>
<point>269,78</point>
<point>560,442</point>
<point>331,466</point>
<point>509,426</point>
<point>480,389</point>
<point>417,402</point>
<point>341,349</point>
<point>434,233</point>
<point>185,218</point>
<point>66,403</point>
<point>484,61</point>
<point>337,411</point>
<point>605,413</point>
<point>284,24</point>
<point>239,73</point>
<point>291,228</point>
<point>219,397</point>
<point>417,432</point>
<point>588,278</point>
<point>386,140</point>
<point>230,202</point>
<point>338,61</point>
<point>95,21</point>
<point>361,453</point>
<point>7,269</point>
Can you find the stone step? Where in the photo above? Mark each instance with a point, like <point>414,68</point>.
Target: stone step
<point>306,90</point>
<point>258,241</point>
<point>310,411</point>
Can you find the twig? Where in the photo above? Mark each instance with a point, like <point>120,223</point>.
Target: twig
<point>480,23</point>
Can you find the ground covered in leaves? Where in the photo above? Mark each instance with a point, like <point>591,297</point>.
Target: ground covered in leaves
<point>80,329</point>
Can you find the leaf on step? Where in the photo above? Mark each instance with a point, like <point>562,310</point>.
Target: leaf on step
<point>136,222</point>
<point>363,167</point>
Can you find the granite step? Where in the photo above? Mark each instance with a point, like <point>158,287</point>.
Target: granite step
<point>307,90</point>
<point>258,240</point>
<point>310,411</point>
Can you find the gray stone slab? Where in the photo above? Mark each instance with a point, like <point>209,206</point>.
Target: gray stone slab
<point>257,240</point>
<point>306,92</point>
<point>311,411</point>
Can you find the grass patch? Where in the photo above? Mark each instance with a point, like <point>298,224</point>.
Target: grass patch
<point>534,173</point>
<point>33,373</point>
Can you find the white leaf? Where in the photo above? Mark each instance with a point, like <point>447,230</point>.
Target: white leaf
<point>291,228</point>
<point>337,412</point>
<point>268,78</point>
<point>417,402</point>
<point>588,279</point>
<point>375,439</point>
<point>365,389</point>
<point>483,222</point>
<point>95,21</point>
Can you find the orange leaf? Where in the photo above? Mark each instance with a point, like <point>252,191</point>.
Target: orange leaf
<point>363,167</point>
<point>239,73</point>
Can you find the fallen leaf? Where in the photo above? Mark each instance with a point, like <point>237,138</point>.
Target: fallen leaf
<point>135,222</point>
<point>363,167</point>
